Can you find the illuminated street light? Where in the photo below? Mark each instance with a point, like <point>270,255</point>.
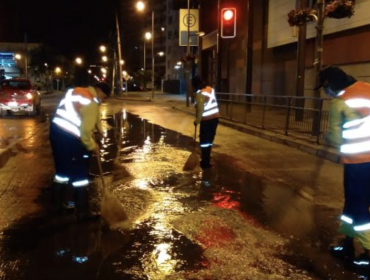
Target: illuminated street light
<point>122,62</point>
<point>140,5</point>
<point>104,58</point>
<point>57,70</point>
<point>89,71</point>
<point>103,48</point>
<point>18,56</point>
<point>103,70</point>
<point>148,35</point>
<point>160,53</point>
<point>78,60</point>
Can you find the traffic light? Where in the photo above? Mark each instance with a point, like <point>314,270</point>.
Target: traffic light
<point>228,23</point>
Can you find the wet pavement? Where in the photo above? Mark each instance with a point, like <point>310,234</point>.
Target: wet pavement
<point>229,222</point>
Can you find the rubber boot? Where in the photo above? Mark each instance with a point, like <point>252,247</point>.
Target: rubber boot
<point>206,158</point>
<point>82,205</point>
<point>68,203</point>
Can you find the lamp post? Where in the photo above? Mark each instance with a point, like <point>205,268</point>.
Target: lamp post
<point>57,72</point>
<point>148,36</point>
<point>141,6</point>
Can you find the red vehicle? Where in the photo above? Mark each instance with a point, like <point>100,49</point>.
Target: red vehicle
<point>19,96</point>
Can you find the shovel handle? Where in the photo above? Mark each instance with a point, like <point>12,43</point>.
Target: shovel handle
<point>100,170</point>
<point>195,135</point>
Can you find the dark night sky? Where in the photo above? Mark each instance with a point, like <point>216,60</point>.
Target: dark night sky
<point>74,27</point>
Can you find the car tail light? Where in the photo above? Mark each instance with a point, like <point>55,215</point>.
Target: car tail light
<point>29,95</point>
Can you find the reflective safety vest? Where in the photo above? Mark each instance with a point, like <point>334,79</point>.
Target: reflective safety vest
<point>67,115</point>
<point>356,133</point>
<point>210,105</point>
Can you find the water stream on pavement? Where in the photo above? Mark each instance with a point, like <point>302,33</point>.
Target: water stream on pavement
<point>213,224</point>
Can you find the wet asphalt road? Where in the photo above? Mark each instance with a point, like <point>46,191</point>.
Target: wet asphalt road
<point>219,224</point>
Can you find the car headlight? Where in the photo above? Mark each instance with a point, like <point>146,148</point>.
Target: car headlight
<point>29,96</point>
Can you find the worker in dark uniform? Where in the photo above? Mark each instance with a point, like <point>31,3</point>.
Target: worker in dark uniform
<point>71,136</point>
<point>207,115</point>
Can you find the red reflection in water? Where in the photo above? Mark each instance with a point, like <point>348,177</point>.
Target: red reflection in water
<point>214,235</point>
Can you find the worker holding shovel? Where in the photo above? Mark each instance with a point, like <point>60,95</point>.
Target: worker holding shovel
<point>207,115</point>
<point>349,129</point>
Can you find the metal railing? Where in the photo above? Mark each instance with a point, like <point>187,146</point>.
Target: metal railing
<point>302,117</point>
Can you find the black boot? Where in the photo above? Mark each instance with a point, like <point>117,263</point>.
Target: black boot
<point>82,205</point>
<point>344,250</point>
<point>206,158</point>
<point>68,205</point>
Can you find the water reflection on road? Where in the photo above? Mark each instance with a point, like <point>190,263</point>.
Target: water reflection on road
<point>212,224</point>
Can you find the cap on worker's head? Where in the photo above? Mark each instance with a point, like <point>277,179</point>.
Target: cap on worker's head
<point>333,77</point>
<point>197,82</point>
<point>104,87</point>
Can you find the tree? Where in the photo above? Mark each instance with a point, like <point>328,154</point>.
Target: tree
<point>44,60</point>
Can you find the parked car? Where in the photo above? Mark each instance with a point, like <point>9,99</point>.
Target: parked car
<point>19,96</point>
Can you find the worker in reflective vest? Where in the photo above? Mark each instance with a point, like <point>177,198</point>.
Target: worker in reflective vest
<point>72,143</point>
<point>207,115</point>
<point>349,130</point>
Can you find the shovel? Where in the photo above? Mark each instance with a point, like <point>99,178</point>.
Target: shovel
<point>193,160</point>
<point>111,208</point>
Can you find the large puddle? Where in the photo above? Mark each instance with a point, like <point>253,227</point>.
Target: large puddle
<point>223,223</point>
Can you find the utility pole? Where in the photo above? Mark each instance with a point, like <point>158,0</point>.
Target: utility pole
<point>301,56</point>
<point>187,61</point>
<point>318,64</point>
<point>26,56</point>
<point>119,57</point>
<point>319,41</point>
<point>153,53</point>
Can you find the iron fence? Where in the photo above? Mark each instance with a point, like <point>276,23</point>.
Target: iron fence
<point>302,117</point>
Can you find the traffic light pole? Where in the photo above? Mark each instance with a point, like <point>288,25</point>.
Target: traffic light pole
<point>218,56</point>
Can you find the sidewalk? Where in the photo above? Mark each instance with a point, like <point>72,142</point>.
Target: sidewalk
<point>179,101</point>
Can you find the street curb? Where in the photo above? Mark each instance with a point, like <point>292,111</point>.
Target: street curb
<point>324,152</point>
<point>144,99</point>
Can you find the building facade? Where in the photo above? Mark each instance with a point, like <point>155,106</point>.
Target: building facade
<point>15,58</point>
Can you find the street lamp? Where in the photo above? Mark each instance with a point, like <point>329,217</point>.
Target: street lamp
<point>102,48</point>
<point>78,60</point>
<point>141,6</point>
<point>57,72</point>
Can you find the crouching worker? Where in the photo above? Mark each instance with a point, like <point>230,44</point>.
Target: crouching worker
<point>71,137</point>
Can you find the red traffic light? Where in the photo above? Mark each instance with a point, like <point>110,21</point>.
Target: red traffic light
<point>228,23</point>
<point>228,14</point>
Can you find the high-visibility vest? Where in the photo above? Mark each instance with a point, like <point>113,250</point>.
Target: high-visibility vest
<point>356,133</point>
<point>67,115</point>
<point>210,105</point>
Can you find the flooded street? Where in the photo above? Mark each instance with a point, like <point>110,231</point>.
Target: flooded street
<point>221,223</point>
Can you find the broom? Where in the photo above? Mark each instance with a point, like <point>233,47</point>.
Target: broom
<point>193,160</point>
<point>297,217</point>
<point>111,209</point>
